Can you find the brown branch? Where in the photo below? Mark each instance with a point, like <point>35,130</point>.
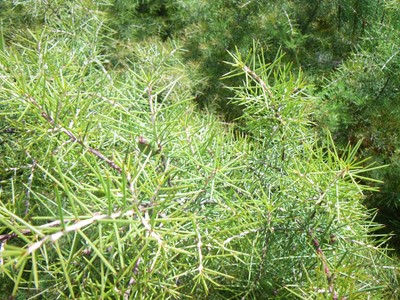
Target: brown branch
<point>329,276</point>
<point>79,224</point>
<point>9,236</point>
<point>74,138</point>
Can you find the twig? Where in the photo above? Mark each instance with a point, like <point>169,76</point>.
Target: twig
<point>199,246</point>
<point>75,227</point>
<point>263,257</point>
<point>319,199</point>
<point>8,236</point>
<point>74,138</point>
<point>267,230</point>
<point>131,282</point>
<point>95,152</point>
<point>151,104</point>
<point>30,179</point>
<point>242,234</point>
<point>329,276</point>
<point>266,89</point>
<point>78,225</point>
<point>146,224</point>
<point>97,216</point>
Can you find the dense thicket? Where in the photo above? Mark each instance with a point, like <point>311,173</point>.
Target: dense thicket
<point>351,45</point>
<point>362,103</point>
<point>117,184</point>
<point>315,36</point>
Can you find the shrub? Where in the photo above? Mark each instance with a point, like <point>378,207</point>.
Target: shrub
<point>115,186</point>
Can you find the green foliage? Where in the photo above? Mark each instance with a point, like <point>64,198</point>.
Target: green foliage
<point>115,186</point>
<point>315,36</point>
<point>361,102</point>
<point>217,27</point>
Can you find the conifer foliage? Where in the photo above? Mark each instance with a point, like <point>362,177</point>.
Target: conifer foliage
<point>115,186</point>
<point>361,102</point>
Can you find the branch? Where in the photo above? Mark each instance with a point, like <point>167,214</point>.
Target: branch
<point>75,227</point>
<point>151,104</point>
<point>266,89</point>
<point>95,152</point>
<point>329,276</point>
<point>73,137</point>
<point>96,216</point>
<point>78,225</point>
<point>8,236</point>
